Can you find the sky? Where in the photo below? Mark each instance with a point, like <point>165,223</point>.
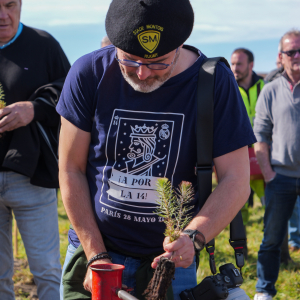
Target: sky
<point>220,25</point>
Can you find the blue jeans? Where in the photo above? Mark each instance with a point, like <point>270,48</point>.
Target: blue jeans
<point>184,278</point>
<point>281,194</point>
<point>35,210</point>
<point>294,226</point>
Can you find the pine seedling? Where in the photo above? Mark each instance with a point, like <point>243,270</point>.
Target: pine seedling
<point>2,103</point>
<point>185,194</point>
<point>173,206</point>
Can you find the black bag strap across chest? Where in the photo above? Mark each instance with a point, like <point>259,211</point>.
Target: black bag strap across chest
<point>205,128</point>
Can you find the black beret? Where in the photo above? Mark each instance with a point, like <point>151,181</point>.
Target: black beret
<point>149,28</point>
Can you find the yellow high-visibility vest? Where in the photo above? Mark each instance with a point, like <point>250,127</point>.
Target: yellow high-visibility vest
<point>250,101</point>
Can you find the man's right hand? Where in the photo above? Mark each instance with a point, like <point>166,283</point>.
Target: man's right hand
<point>181,251</point>
<point>87,283</point>
<point>269,176</point>
<point>16,115</point>
<point>263,157</point>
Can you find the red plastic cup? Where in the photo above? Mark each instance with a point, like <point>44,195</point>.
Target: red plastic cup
<point>107,278</point>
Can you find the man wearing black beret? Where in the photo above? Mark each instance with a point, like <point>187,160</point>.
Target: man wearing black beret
<point>129,117</point>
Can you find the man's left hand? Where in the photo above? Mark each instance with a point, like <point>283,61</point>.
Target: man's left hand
<point>181,251</point>
<point>16,115</point>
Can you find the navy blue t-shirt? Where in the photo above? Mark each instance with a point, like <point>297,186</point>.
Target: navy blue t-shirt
<point>137,137</point>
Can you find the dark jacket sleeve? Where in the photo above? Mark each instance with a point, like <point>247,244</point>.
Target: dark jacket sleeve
<point>44,102</point>
<point>58,67</point>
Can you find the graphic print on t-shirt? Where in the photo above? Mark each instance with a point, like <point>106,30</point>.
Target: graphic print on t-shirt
<point>141,147</point>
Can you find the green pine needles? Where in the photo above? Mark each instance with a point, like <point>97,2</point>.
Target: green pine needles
<point>173,206</point>
<point>2,96</point>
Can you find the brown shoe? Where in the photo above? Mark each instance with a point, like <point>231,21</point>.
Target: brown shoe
<point>294,249</point>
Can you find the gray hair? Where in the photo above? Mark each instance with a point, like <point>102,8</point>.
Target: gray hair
<point>105,41</point>
<point>292,32</point>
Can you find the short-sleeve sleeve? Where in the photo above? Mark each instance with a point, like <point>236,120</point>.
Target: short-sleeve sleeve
<point>232,128</point>
<point>76,103</point>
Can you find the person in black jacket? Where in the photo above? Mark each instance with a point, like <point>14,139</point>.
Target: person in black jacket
<point>274,73</point>
<point>32,71</point>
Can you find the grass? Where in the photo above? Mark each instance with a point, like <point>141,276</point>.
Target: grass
<point>288,283</point>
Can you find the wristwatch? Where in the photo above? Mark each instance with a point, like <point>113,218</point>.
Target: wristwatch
<point>197,238</point>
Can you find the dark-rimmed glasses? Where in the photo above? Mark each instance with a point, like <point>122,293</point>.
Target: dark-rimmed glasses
<point>152,66</point>
<point>291,53</point>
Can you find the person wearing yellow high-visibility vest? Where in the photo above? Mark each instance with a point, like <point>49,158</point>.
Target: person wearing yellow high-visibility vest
<point>250,85</point>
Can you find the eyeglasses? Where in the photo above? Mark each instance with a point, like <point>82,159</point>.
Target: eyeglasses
<point>152,66</point>
<point>291,53</point>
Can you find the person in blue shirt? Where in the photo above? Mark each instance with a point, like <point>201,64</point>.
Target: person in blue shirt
<point>129,117</point>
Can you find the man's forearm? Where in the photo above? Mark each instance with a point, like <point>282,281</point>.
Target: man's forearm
<point>263,157</point>
<point>221,207</point>
<point>76,199</point>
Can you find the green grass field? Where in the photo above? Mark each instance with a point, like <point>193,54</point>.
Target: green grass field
<point>288,284</point>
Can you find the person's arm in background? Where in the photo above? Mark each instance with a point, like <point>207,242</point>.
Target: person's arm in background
<point>263,127</point>
<point>73,153</point>
<point>23,112</point>
<point>220,208</point>
<point>263,157</point>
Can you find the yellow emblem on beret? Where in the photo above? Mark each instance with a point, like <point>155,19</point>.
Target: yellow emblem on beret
<point>149,40</point>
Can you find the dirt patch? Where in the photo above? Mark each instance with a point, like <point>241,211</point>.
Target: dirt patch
<point>24,285</point>
<point>161,280</point>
